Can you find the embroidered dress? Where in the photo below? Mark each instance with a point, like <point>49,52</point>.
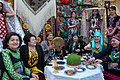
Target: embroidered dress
<point>73,30</point>
<point>111,23</point>
<point>33,60</point>
<point>3,28</point>
<point>94,25</point>
<point>95,50</point>
<point>14,66</point>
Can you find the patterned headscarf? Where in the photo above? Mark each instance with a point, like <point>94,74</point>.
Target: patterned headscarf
<point>117,36</point>
<point>101,40</point>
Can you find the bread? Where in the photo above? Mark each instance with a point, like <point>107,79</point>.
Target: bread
<point>70,71</point>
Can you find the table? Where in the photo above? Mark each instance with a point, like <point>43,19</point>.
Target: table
<point>88,74</point>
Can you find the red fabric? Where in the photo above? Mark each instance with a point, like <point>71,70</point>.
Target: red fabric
<point>6,0</point>
<point>3,27</point>
<point>109,76</point>
<point>41,77</point>
<point>65,1</point>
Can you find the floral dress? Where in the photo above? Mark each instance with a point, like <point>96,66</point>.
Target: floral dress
<point>74,30</point>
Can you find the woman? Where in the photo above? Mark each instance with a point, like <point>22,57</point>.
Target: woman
<point>112,20</point>
<point>32,55</point>
<point>15,69</point>
<point>73,25</point>
<point>3,15</point>
<point>96,45</point>
<point>111,62</point>
<point>47,45</point>
<point>75,47</point>
<point>94,22</point>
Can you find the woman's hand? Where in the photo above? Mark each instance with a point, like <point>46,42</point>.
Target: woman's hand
<point>98,61</point>
<point>34,79</point>
<point>51,47</point>
<point>77,50</point>
<point>35,76</point>
<point>91,60</point>
<point>112,65</point>
<point>11,12</point>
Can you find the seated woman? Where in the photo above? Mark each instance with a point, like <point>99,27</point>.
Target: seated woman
<point>111,62</point>
<point>96,45</point>
<point>15,69</point>
<point>75,46</point>
<point>32,55</point>
<point>47,46</point>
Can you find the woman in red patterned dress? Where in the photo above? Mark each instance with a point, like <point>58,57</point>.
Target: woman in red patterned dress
<point>3,15</point>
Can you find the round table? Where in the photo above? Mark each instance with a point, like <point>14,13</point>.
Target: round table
<point>88,74</point>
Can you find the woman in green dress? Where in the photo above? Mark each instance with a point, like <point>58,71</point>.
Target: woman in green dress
<point>15,69</point>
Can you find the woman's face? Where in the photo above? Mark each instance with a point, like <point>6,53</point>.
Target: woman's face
<point>75,38</point>
<point>14,42</point>
<point>112,12</point>
<point>50,37</point>
<point>115,43</point>
<point>96,38</point>
<point>73,15</point>
<point>32,41</point>
<point>95,12</point>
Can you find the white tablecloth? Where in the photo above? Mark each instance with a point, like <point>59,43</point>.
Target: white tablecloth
<point>95,74</point>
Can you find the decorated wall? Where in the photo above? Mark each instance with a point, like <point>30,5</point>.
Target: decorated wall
<point>42,16</point>
<point>33,17</point>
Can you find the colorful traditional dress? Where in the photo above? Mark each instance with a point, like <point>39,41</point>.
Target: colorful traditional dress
<point>14,66</point>
<point>95,51</point>
<point>111,22</point>
<point>94,25</point>
<point>102,45</point>
<point>73,30</point>
<point>33,60</point>
<point>3,27</point>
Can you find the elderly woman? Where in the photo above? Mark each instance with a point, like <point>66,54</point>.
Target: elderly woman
<point>32,55</point>
<point>96,45</point>
<point>14,67</point>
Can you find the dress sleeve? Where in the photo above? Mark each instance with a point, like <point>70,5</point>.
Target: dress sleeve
<point>68,22</point>
<point>43,45</point>
<point>27,71</point>
<point>9,67</point>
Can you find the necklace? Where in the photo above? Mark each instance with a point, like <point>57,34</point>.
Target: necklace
<point>32,49</point>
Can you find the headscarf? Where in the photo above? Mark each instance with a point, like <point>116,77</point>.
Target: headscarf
<point>117,36</point>
<point>101,40</point>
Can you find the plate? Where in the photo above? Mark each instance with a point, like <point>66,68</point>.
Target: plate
<point>89,66</point>
<point>60,62</point>
<point>59,67</point>
<point>81,69</point>
<point>70,72</point>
